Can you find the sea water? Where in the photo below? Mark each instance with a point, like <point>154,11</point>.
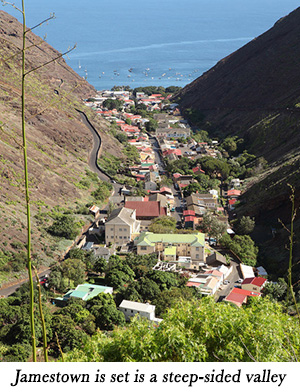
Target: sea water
<point>156,42</point>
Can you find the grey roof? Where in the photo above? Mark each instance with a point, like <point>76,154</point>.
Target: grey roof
<point>138,306</point>
<point>121,215</point>
<point>159,197</point>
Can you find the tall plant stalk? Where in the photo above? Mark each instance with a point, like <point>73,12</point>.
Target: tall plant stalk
<point>291,240</point>
<point>26,175</point>
<point>27,195</point>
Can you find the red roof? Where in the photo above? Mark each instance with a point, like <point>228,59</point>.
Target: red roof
<point>166,189</point>
<point>189,212</point>
<point>255,281</point>
<point>189,218</point>
<point>147,209</point>
<point>233,192</point>
<point>239,296</point>
<point>231,202</point>
<point>177,175</point>
<point>175,151</point>
<point>191,284</point>
<point>197,169</point>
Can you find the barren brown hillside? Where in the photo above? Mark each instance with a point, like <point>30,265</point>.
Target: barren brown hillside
<point>58,141</point>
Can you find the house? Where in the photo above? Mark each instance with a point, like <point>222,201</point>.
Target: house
<point>208,282</point>
<point>187,245</point>
<point>260,271</point>
<point>164,202</point>
<point>254,284</point>
<point>166,191</point>
<point>84,292</point>
<point>147,210</point>
<point>200,203</point>
<point>239,296</point>
<point>190,222</point>
<point>216,258</point>
<point>131,308</point>
<point>95,211</point>
<point>151,179</point>
<point>247,271</point>
<point>233,193</point>
<point>103,251</point>
<point>176,133</point>
<point>121,226</point>
<point>197,170</point>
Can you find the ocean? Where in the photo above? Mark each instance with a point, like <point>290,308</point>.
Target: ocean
<point>157,42</point>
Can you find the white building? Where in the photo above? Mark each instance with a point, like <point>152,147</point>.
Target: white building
<point>131,308</point>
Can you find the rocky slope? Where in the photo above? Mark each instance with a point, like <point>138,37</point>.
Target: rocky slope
<point>58,141</point>
<point>255,93</point>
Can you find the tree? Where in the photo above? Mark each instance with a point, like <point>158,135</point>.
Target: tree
<point>104,309</point>
<point>169,298</point>
<point>100,265</point>
<point>211,225</point>
<point>119,276</point>
<point>69,336</point>
<point>64,226</point>
<point>147,289</point>
<point>74,270</point>
<point>163,224</point>
<point>276,290</point>
<point>243,247</point>
<point>111,104</point>
<point>122,138</point>
<point>245,225</point>
<point>194,187</point>
<point>229,144</point>
<point>151,125</point>
<point>202,331</point>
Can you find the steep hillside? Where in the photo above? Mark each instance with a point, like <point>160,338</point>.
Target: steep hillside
<point>255,93</point>
<point>58,141</point>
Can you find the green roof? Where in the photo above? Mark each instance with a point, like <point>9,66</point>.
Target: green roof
<point>149,239</point>
<point>170,251</point>
<point>87,291</point>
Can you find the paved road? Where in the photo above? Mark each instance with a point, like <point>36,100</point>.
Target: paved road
<point>93,157</point>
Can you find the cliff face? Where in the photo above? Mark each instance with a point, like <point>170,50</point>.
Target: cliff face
<point>58,141</point>
<point>255,93</point>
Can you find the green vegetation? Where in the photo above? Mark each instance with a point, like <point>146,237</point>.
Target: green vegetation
<point>242,246</point>
<point>211,225</point>
<point>102,192</point>
<point>201,331</point>
<point>245,225</point>
<point>112,104</point>
<point>65,226</point>
<point>163,224</point>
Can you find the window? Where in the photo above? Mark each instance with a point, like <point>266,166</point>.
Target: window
<point>143,247</point>
<point>120,229</point>
<point>197,248</point>
<point>111,229</point>
<point>197,256</point>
